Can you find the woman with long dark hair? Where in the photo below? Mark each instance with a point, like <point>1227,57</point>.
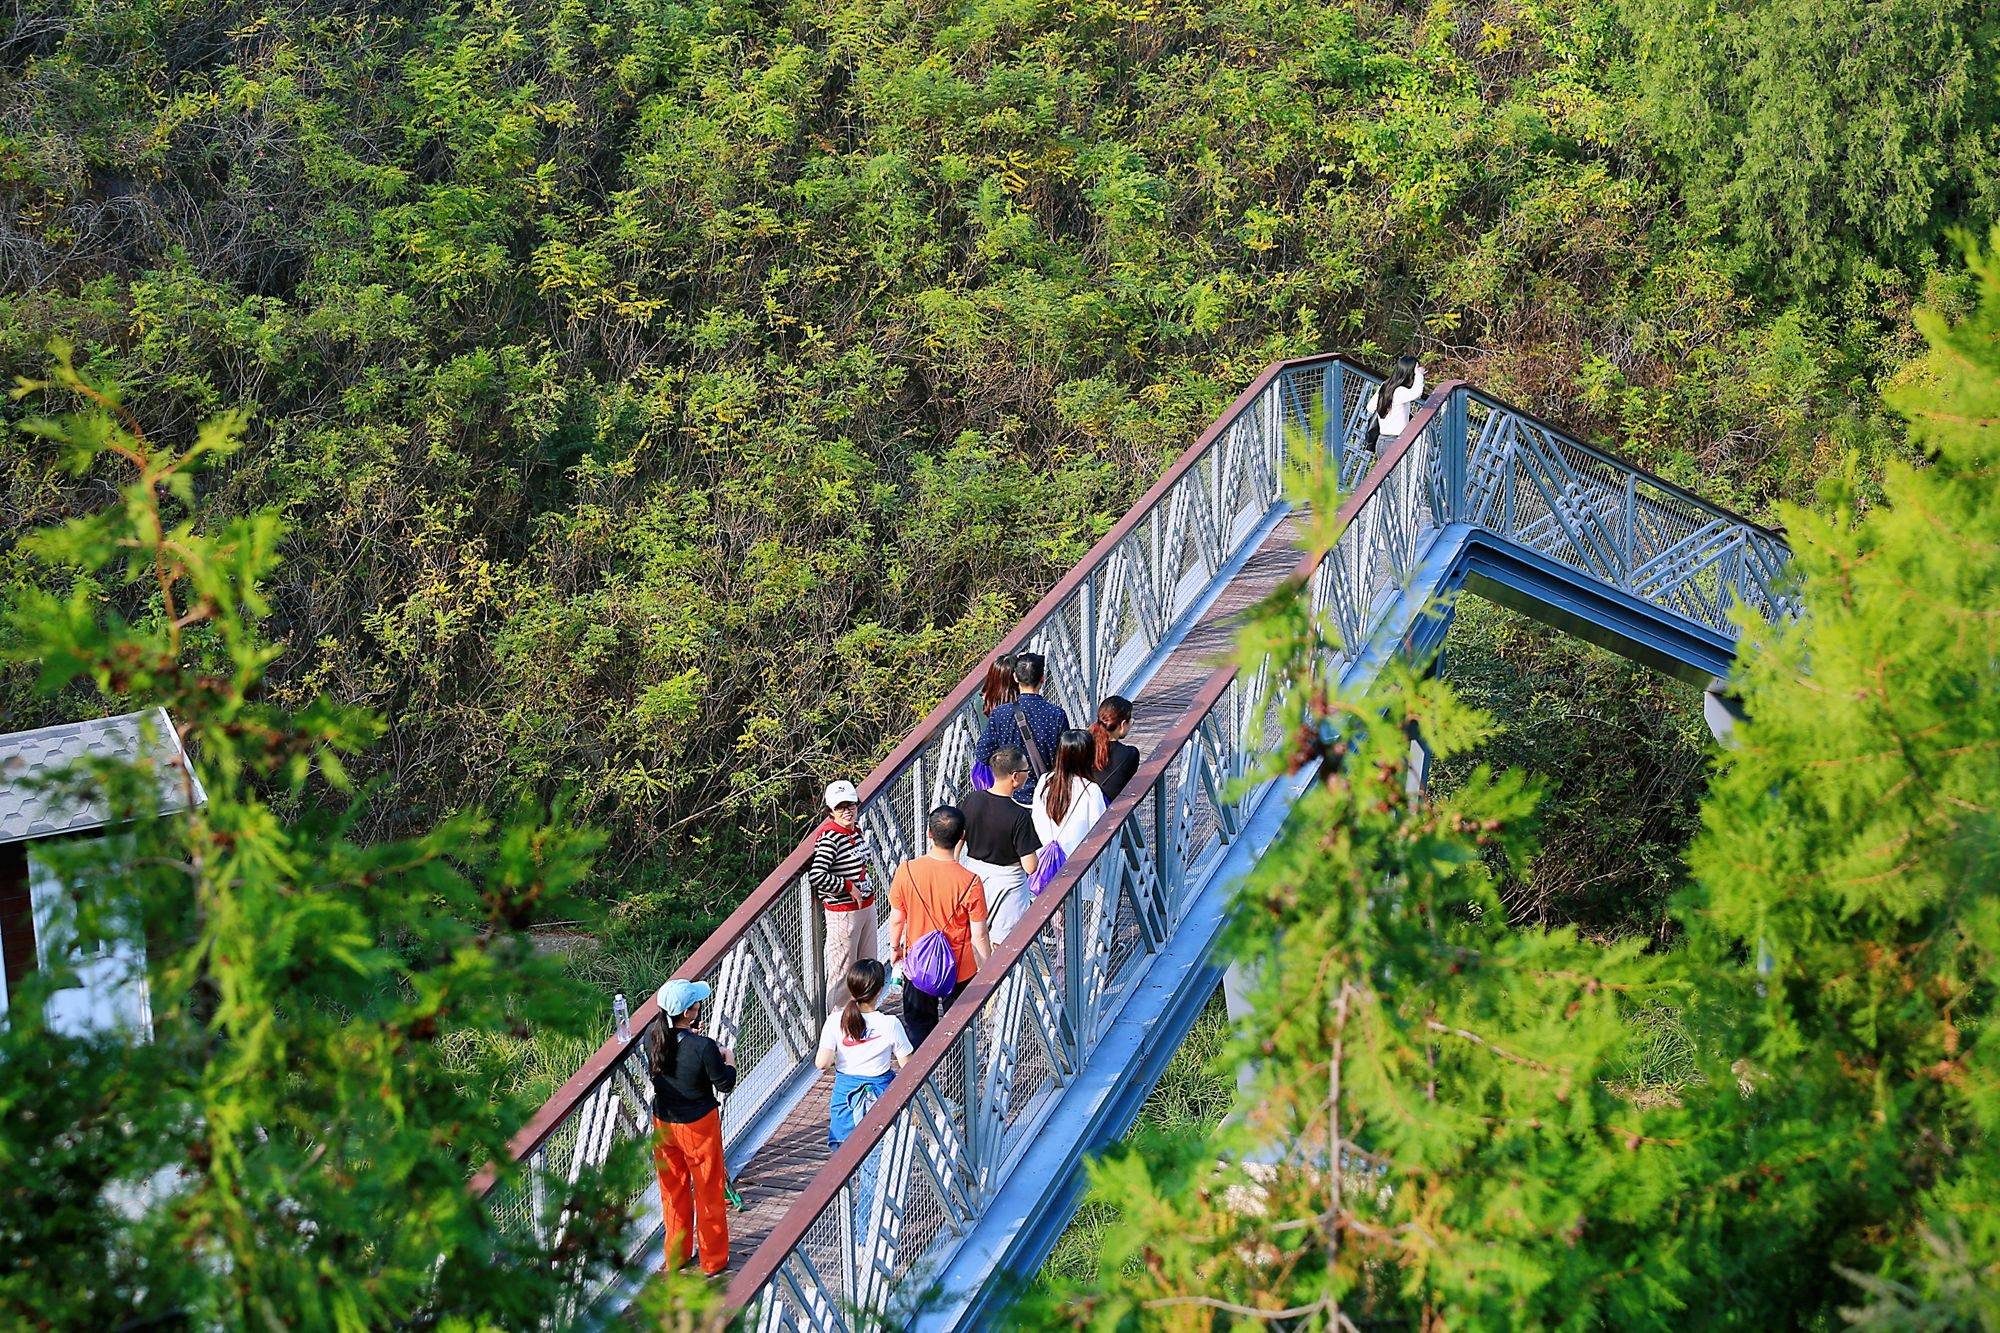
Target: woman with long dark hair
<point>1112,762</point>
<point>1000,687</point>
<point>863,1048</point>
<point>1395,400</point>
<point>1066,801</point>
<point>689,1071</point>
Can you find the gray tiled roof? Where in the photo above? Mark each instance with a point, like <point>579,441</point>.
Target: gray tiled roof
<point>26,812</point>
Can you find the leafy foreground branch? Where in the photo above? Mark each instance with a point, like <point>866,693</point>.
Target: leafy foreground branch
<point>1441,1130</point>
<point>290,1149</point>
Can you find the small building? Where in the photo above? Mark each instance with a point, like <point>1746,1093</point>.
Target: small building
<point>37,914</point>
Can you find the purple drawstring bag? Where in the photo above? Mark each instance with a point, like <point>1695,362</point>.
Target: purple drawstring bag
<point>930,965</point>
<point>1048,864</point>
<point>982,777</point>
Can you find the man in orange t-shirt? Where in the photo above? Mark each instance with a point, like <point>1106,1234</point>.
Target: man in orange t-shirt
<point>935,892</point>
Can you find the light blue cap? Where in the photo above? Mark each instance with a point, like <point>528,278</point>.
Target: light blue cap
<point>677,995</point>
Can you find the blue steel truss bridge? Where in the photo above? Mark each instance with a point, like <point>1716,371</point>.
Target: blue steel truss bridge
<point>968,1169</point>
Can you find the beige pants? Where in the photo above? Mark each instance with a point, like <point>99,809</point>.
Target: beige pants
<point>1006,895</point>
<point>850,937</point>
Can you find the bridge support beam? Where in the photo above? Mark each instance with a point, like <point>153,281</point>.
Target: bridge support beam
<point>1539,588</point>
<point>1722,710</point>
<point>1236,984</point>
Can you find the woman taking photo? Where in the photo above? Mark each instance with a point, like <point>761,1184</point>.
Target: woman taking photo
<point>689,1072</point>
<point>1395,400</point>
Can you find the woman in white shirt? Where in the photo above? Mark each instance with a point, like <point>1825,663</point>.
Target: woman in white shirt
<point>1395,400</point>
<point>1067,802</point>
<point>862,1048</point>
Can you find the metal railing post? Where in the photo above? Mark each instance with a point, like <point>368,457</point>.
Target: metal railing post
<point>972,1089</point>
<point>1453,421</point>
<point>1093,688</point>
<point>1163,850</point>
<point>812,930</point>
<point>538,1195</point>
<point>1073,991</point>
<point>1336,417</point>
<point>1629,554</point>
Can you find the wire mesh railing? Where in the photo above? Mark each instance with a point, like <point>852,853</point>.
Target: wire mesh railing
<point>1598,515</point>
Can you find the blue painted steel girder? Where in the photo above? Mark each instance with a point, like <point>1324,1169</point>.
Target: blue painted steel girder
<point>1515,577</point>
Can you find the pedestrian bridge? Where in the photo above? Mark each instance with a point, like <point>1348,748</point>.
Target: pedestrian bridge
<point>967,1171</point>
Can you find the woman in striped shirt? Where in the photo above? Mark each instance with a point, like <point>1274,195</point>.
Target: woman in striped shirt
<point>838,875</point>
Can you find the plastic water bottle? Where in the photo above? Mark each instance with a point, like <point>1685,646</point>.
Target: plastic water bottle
<point>622,1013</point>
<point>893,988</point>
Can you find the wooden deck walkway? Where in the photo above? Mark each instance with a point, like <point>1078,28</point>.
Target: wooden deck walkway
<point>780,1171</point>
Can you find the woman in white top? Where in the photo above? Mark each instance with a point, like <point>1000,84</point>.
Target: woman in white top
<point>1395,400</point>
<point>1067,802</point>
<point>862,1048</point>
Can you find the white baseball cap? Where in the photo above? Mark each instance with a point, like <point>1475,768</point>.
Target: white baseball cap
<point>840,793</point>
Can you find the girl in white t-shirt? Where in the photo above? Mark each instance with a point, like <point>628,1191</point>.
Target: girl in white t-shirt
<point>1067,802</point>
<point>862,1048</point>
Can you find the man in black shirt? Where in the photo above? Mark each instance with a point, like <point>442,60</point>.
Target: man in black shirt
<point>1000,844</point>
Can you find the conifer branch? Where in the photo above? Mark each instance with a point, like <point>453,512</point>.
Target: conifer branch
<point>1247,1311</point>
<point>1466,1035</point>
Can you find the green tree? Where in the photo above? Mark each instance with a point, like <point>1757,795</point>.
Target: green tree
<point>1852,843</point>
<point>1828,139</point>
<point>290,1150</point>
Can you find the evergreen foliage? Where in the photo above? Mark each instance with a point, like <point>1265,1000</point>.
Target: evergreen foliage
<point>289,1149</point>
<point>1836,144</point>
<point>1852,843</point>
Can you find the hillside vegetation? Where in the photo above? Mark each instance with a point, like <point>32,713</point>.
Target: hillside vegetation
<point>669,401</point>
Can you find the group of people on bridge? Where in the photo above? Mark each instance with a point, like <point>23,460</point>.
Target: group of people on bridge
<point>1037,784</point>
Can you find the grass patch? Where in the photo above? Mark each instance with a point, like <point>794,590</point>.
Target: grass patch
<point>1659,1060</point>
<point>535,1066</point>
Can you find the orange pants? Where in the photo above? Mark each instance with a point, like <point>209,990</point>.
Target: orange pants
<point>691,1179</point>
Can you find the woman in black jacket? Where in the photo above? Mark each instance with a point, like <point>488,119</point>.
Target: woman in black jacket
<point>1114,762</point>
<point>689,1073</point>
